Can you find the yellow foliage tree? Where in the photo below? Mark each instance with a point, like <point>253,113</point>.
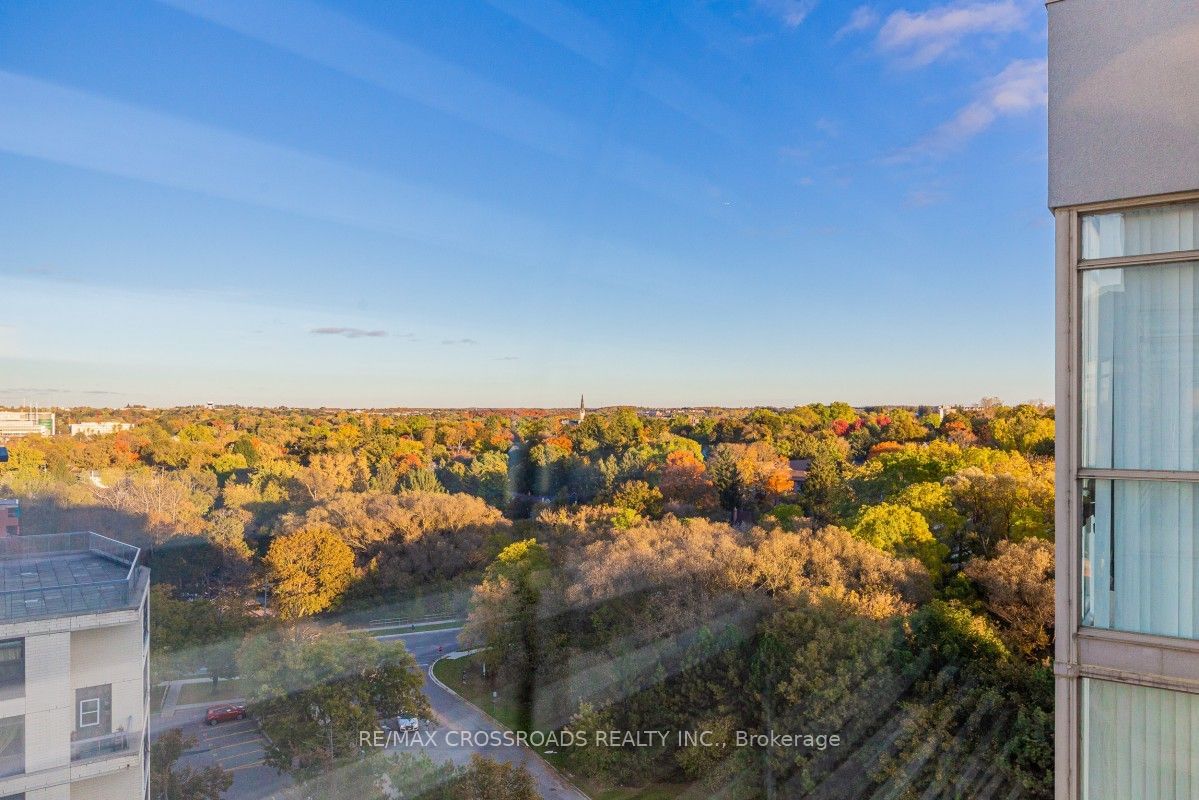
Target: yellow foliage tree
<point>308,570</point>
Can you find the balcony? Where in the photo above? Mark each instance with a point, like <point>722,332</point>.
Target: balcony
<point>121,743</point>
<point>67,574</point>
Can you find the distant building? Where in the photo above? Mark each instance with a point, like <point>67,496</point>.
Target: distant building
<point>74,663</point>
<point>27,423</point>
<point>10,517</point>
<point>799,470</point>
<point>582,409</point>
<point>98,428</point>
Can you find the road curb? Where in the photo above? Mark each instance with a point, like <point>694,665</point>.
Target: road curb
<point>495,721</point>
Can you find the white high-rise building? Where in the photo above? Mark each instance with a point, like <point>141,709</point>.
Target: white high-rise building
<point>74,669</point>
<point>1124,189</point>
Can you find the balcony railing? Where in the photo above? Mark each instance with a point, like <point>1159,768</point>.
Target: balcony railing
<point>65,574</point>
<point>110,745</point>
<point>67,544</point>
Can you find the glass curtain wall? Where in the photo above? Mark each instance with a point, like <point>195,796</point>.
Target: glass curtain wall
<point>1139,742</point>
<point>1139,476</point>
<point>1140,424</point>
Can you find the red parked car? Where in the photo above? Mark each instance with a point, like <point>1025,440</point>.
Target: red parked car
<point>226,713</point>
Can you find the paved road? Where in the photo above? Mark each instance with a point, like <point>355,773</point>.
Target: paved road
<point>454,714</point>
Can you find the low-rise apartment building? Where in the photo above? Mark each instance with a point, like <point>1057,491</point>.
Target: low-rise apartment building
<point>74,669</point>
<point>99,428</point>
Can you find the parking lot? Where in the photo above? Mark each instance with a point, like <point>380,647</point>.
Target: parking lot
<point>233,745</point>
<point>236,746</point>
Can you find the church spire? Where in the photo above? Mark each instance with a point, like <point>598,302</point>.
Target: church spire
<point>582,408</point>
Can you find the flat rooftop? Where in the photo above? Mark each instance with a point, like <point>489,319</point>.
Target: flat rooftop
<point>66,574</point>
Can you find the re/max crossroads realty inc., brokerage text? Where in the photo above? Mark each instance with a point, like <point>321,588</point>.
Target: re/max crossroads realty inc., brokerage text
<point>612,738</point>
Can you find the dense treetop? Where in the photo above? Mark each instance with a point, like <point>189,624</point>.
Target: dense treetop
<point>882,572</point>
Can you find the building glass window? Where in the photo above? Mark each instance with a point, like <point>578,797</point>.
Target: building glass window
<point>89,712</point>
<point>1140,414</point>
<point>1140,367</point>
<point>1140,568</point>
<point>12,746</point>
<point>1141,231</point>
<point>1137,742</point>
<point>12,668</point>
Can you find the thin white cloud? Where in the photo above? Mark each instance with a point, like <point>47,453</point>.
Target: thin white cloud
<point>1020,88</point>
<point>829,127</point>
<point>791,13</point>
<point>922,198</point>
<point>30,391</point>
<point>920,38</point>
<point>458,341</point>
<point>863,18</point>
<point>350,333</point>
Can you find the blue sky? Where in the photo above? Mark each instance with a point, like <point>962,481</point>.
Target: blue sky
<point>511,202</point>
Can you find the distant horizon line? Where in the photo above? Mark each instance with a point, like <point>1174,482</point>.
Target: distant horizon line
<point>499,408</point>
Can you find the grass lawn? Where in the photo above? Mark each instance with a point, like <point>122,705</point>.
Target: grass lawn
<point>465,676</point>
<point>204,693</point>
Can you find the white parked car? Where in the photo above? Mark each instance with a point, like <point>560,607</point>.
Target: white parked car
<point>402,724</point>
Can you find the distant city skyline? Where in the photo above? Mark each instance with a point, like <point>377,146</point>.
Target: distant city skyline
<point>504,204</point>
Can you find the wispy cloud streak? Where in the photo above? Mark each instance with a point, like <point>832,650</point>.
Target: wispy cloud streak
<point>791,13</point>
<point>1020,88</point>
<point>350,333</point>
<point>920,38</point>
<point>863,18</point>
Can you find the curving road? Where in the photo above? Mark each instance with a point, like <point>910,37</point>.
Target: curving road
<point>453,713</point>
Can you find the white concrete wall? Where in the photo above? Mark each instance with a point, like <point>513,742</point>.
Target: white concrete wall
<point>123,785</point>
<point>1123,108</point>
<point>112,655</point>
<point>49,701</point>
<point>62,792</point>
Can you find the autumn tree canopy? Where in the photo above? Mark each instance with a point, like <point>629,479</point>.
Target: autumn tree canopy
<point>308,571</point>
